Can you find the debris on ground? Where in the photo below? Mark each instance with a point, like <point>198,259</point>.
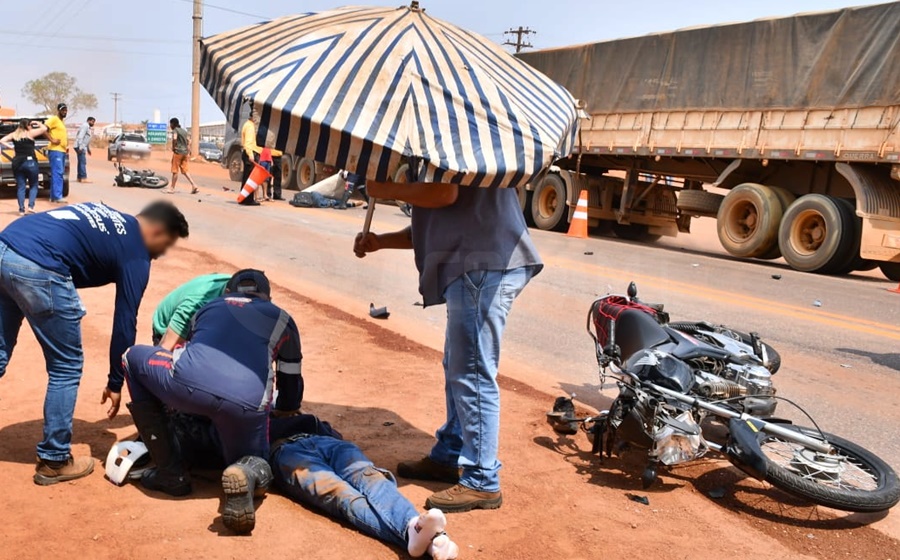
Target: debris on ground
<point>716,493</point>
<point>696,265</point>
<point>639,499</point>
<point>776,277</point>
<point>386,424</point>
<point>588,253</point>
<point>378,312</point>
<point>817,303</point>
<point>846,366</point>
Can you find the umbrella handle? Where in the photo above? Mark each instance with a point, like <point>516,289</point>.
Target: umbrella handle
<point>367,225</point>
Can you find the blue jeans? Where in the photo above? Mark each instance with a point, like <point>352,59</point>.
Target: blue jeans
<point>478,303</point>
<point>53,309</point>
<point>82,162</point>
<point>57,168</point>
<point>27,173</point>
<point>151,375</point>
<point>335,476</point>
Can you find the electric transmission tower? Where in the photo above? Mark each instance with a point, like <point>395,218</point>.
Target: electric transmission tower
<point>521,38</point>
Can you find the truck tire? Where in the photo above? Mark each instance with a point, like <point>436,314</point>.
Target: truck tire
<point>235,166</point>
<point>854,260</point>
<point>549,208</point>
<point>818,234</point>
<point>635,232</point>
<point>699,203</point>
<point>306,173</point>
<point>748,220</point>
<point>288,177</point>
<point>891,270</point>
<point>786,198</point>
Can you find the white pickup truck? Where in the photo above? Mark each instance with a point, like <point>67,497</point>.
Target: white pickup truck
<point>128,145</point>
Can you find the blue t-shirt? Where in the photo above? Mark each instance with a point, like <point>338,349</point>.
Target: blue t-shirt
<point>235,340</point>
<point>94,245</point>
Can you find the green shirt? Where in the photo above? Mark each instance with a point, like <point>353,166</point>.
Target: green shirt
<point>177,309</point>
<point>181,142</point>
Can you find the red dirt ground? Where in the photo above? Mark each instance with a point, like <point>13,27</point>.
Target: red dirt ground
<point>384,392</point>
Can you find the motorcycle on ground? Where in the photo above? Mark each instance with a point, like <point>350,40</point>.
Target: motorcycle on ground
<point>132,178</point>
<point>676,380</point>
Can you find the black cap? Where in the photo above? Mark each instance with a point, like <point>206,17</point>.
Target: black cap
<point>249,280</point>
<point>61,106</point>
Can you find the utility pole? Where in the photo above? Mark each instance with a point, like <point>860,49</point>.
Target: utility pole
<point>195,79</point>
<point>521,41</point>
<point>116,97</point>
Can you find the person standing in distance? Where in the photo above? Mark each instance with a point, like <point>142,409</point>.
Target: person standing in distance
<point>24,163</point>
<point>250,153</point>
<point>83,147</point>
<point>473,253</point>
<point>180,154</point>
<point>56,151</point>
<point>43,259</point>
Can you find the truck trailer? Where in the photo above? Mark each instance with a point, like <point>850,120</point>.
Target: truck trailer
<point>786,131</point>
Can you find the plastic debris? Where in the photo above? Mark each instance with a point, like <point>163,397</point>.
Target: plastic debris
<point>817,303</point>
<point>696,265</point>
<point>387,423</point>
<point>378,312</point>
<point>716,493</point>
<point>776,277</point>
<point>846,366</point>
<point>639,499</point>
<point>588,253</point>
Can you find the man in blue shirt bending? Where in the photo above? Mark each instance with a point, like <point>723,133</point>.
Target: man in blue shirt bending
<point>43,259</point>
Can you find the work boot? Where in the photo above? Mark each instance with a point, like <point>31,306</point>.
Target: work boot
<point>428,469</point>
<point>459,499</point>
<point>152,423</point>
<point>242,481</point>
<point>50,472</point>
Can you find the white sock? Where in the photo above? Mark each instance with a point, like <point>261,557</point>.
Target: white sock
<point>442,548</point>
<point>422,529</point>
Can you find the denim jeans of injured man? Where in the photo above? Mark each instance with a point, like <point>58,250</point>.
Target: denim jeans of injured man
<point>52,307</point>
<point>335,476</point>
<point>478,304</point>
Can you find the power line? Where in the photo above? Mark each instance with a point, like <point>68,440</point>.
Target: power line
<point>521,41</point>
<point>94,37</point>
<point>229,10</point>
<point>99,50</point>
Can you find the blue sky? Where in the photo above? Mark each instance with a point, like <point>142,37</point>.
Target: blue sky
<point>142,48</point>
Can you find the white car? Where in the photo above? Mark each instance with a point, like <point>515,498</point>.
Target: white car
<point>128,145</point>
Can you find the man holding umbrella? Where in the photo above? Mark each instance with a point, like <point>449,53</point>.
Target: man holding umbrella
<point>474,254</point>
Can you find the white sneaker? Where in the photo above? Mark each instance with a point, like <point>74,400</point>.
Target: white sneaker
<point>422,530</point>
<point>442,548</point>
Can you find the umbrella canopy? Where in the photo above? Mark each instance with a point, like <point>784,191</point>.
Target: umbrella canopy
<point>364,88</point>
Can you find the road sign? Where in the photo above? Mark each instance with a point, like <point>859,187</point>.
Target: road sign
<point>157,133</point>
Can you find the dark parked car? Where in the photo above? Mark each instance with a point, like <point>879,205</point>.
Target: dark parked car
<point>210,152</point>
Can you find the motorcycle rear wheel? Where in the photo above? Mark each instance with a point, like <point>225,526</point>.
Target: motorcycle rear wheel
<point>852,479</point>
<point>154,182</point>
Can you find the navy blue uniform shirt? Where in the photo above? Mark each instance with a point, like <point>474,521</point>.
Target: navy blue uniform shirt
<point>235,341</point>
<point>94,245</point>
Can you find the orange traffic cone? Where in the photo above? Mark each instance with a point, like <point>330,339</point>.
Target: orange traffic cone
<point>579,225</point>
<point>258,176</point>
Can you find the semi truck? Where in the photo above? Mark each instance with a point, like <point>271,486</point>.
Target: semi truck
<point>786,131</point>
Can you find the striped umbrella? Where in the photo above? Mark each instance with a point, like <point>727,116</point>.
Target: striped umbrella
<point>366,88</point>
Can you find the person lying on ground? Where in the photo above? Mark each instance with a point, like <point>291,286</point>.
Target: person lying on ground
<point>43,259</point>
<point>225,373</point>
<point>173,315</point>
<point>308,455</point>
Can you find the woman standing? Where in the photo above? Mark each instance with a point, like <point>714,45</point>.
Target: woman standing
<point>24,164</point>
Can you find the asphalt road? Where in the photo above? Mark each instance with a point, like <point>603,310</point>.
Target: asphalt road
<point>841,360</point>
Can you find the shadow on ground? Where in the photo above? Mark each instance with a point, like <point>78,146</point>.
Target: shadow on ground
<point>889,360</point>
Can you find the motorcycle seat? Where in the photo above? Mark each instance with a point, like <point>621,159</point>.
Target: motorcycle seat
<point>637,330</point>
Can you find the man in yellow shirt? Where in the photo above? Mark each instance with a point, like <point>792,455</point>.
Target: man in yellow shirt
<point>57,150</point>
<point>250,153</point>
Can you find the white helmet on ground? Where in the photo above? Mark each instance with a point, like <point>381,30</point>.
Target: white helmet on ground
<point>121,458</point>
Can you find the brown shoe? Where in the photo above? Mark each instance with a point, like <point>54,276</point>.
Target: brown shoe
<point>51,472</point>
<point>459,498</point>
<point>427,469</point>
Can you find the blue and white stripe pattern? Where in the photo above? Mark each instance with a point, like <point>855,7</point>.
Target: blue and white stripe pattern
<point>361,88</point>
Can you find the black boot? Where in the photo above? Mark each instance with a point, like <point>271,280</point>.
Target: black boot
<point>242,481</point>
<point>169,475</point>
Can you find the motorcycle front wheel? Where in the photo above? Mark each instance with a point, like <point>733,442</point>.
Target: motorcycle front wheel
<point>154,182</point>
<point>850,479</point>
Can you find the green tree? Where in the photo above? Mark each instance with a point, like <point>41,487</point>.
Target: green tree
<point>58,87</point>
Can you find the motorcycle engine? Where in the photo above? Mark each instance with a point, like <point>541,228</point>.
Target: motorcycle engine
<point>749,380</point>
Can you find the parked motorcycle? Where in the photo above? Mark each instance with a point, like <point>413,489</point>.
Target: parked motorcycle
<point>131,178</point>
<point>675,379</point>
